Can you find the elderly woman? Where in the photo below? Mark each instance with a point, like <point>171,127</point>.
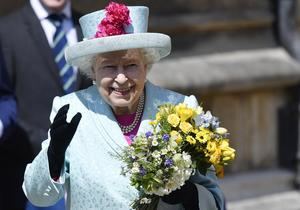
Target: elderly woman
<point>90,125</point>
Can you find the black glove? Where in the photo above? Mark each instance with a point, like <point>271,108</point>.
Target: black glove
<point>61,134</point>
<point>187,195</point>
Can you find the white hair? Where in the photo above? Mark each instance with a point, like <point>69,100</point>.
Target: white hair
<point>150,56</point>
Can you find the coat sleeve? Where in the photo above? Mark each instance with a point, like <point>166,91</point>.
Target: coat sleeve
<point>38,186</point>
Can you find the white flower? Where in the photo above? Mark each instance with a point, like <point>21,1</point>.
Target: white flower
<point>159,172</point>
<point>172,144</point>
<point>145,201</point>
<point>136,164</point>
<point>199,110</point>
<point>156,154</point>
<point>164,151</point>
<point>135,170</point>
<point>154,142</point>
<point>221,130</point>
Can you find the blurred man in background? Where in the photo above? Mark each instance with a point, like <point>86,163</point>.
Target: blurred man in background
<point>33,41</point>
<point>8,111</point>
<point>8,107</point>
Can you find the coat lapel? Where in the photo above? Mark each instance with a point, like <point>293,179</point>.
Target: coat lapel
<point>150,108</point>
<point>105,122</point>
<point>34,28</point>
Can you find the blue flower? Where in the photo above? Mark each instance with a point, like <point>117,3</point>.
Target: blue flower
<point>166,137</point>
<point>148,134</point>
<point>206,120</point>
<point>215,123</point>
<point>143,171</point>
<point>168,162</point>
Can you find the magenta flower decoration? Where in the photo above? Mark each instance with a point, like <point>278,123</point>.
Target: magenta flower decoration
<point>116,17</point>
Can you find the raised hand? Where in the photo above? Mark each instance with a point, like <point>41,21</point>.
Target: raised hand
<point>61,133</point>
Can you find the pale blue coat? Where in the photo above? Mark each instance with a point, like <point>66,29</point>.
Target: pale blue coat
<point>91,177</point>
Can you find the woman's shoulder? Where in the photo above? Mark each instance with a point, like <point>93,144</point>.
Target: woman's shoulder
<point>157,90</point>
<point>168,95</point>
<point>78,99</point>
<point>81,95</point>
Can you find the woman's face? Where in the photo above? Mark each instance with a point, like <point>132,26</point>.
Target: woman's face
<point>120,77</point>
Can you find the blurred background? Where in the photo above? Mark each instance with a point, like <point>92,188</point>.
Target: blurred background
<point>240,58</point>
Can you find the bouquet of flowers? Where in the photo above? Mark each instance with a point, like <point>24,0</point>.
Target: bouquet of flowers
<point>182,140</point>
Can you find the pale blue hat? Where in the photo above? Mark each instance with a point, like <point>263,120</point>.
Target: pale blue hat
<point>136,36</point>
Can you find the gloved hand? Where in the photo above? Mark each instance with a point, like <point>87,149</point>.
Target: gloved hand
<point>187,195</point>
<point>61,133</point>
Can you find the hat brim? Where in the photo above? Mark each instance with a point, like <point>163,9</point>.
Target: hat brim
<point>80,54</point>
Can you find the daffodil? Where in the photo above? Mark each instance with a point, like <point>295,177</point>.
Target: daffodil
<point>215,157</point>
<point>211,146</point>
<point>173,119</point>
<point>185,127</point>
<point>185,112</point>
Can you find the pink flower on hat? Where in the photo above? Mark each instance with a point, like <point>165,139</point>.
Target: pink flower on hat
<point>117,15</point>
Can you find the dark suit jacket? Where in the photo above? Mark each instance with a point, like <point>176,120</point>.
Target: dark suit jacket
<point>8,107</point>
<point>35,79</point>
<point>32,70</point>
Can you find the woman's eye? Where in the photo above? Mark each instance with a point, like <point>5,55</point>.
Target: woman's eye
<point>109,67</point>
<point>131,66</point>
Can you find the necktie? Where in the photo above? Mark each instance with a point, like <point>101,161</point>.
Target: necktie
<point>66,72</point>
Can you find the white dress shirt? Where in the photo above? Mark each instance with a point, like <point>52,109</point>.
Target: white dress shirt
<point>48,26</point>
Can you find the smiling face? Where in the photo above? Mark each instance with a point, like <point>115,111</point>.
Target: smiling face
<point>120,77</point>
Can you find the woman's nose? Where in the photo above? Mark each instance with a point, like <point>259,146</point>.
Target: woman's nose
<point>121,77</point>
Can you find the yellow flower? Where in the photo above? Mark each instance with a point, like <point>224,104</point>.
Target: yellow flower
<point>173,119</point>
<point>158,116</point>
<point>184,112</point>
<point>215,157</point>
<point>185,127</point>
<point>191,140</point>
<point>211,146</point>
<point>224,144</point>
<point>228,154</point>
<point>153,122</point>
<point>203,135</point>
<point>176,136</point>
<point>195,131</point>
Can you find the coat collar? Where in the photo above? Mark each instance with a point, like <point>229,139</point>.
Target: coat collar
<point>105,120</point>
